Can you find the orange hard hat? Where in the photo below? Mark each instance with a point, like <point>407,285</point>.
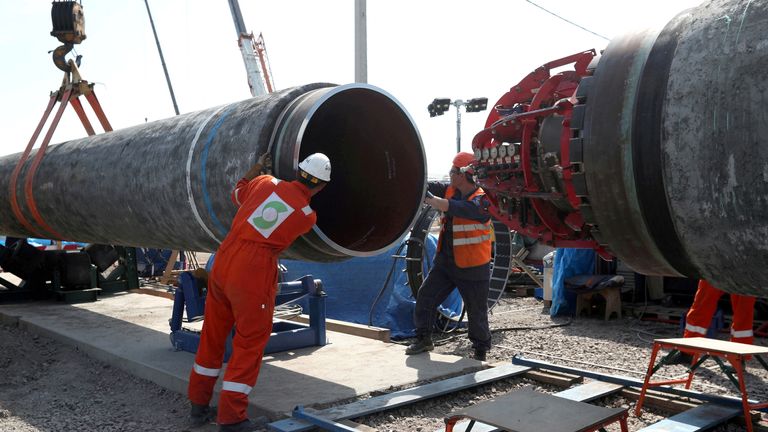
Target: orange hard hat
<point>463,159</point>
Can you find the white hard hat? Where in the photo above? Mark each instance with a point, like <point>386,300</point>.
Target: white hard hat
<point>317,165</point>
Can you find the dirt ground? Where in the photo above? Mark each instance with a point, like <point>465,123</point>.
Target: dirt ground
<point>49,386</point>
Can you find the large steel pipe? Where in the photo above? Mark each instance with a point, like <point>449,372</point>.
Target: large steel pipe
<point>167,183</point>
<point>675,152</point>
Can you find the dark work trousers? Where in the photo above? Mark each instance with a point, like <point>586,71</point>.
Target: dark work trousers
<point>439,284</point>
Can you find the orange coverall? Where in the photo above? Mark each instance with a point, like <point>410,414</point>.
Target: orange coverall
<point>242,288</point>
<point>704,305</point>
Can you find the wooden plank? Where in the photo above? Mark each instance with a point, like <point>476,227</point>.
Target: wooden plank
<point>370,332</point>
<point>166,278</point>
<point>659,400</point>
<point>404,397</point>
<point>554,379</point>
<point>697,419</point>
<point>157,292</point>
<point>714,345</point>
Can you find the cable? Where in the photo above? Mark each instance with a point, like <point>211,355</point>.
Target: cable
<point>568,21</point>
<point>515,310</point>
<point>386,282</point>
<point>567,360</point>
<point>448,321</point>
<point>287,311</point>
<point>503,329</point>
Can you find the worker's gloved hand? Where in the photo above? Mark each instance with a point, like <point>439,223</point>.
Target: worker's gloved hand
<point>265,161</point>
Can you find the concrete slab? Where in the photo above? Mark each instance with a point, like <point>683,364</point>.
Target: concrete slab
<point>130,331</point>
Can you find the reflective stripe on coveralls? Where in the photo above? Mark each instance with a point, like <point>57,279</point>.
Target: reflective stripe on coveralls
<point>698,319</point>
<point>206,371</point>
<point>236,387</point>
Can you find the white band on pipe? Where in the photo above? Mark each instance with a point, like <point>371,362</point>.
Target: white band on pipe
<point>190,197</point>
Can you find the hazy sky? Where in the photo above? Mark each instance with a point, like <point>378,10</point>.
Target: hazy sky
<point>417,50</point>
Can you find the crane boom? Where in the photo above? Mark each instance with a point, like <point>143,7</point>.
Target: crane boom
<point>261,51</point>
<point>247,44</point>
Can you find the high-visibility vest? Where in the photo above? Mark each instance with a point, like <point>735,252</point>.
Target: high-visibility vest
<point>471,239</point>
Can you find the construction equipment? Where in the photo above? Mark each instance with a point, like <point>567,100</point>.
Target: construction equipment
<point>286,335</point>
<point>258,71</point>
<point>643,152</point>
<point>72,87</point>
<point>69,276</point>
<point>68,27</point>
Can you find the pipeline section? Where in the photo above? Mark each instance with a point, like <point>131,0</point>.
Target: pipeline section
<point>167,184</point>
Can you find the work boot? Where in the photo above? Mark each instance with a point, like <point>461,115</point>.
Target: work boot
<point>244,426</point>
<point>422,344</point>
<point>479,355</point>
<point>201,414</point>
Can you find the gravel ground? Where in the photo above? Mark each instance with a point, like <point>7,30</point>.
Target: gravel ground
<point>616,347</point>
<point>48,386</point>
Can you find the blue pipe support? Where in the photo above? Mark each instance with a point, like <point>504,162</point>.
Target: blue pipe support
<point>285,335</point>
<point>324,424</point>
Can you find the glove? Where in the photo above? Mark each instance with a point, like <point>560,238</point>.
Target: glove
<point>265,160</point>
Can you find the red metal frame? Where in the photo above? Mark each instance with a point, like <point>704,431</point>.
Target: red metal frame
<point>736,361</point>
<point>539,95</point>
<point>71,89</point>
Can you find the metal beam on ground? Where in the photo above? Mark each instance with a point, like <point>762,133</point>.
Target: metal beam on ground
<point>402,397</point>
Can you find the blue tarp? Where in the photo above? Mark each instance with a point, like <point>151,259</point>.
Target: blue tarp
<point>354,285</point>
<point>568,262</point>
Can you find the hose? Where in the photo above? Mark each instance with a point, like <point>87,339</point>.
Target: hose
<point>386,282</point>
<point>567,360</point>
<point>504,329</point>
<point>414,263</point>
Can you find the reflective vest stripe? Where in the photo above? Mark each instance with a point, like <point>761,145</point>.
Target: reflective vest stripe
<point>307,210</point>
<point>742,333</point>
<point>469,227</point>
<point>236,387</point>
<point>471,240</point>
<point>275,180</point>
<point>205,371</point>
<point>695,329</point>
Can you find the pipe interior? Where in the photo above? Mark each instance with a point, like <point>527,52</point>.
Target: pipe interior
<point>378,169</point>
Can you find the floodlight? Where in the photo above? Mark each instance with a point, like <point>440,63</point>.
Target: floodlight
<point>439,106</point>
<point>476,104</point>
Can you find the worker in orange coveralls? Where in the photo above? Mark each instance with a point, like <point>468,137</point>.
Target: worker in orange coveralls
<point>243,284</point>
<point>698,319</point>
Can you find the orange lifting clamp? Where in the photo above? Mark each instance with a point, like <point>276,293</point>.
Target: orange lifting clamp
<point>68,27</point>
